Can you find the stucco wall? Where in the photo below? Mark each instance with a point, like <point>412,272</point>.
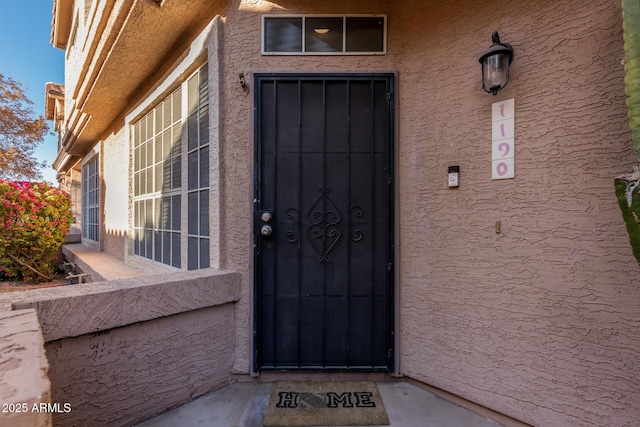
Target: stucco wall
<point>541,321</point>
<point>132,348</point>
<point>242,55</point>
<point>76,52</point>
<point>94,23</point>
<point>73,64</point>
<point>24,385</point>
<point>125,375</point>
<point>114,189</point>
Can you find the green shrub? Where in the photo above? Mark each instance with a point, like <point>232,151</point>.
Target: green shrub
<point>34,219</point>
<point>627,186</point>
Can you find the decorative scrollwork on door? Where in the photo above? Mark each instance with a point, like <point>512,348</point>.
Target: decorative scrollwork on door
<point>356,212</point>
<point>324,224</point>
<point>294,225</point>
<point>324,230</point>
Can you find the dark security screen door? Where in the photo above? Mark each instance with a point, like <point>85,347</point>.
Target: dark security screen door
<point>323,222</point>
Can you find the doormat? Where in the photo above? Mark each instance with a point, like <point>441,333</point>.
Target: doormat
<point>325,403</point>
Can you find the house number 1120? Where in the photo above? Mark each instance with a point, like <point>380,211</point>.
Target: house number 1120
<point>502,139</point>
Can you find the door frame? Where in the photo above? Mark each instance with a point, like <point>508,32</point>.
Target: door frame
<point>257,168</point>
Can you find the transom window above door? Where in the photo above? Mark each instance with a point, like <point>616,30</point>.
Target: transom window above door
<point>324,35</point>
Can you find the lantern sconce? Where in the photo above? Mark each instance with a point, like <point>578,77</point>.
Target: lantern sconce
<point>495,65</point>
<point>243,83</point>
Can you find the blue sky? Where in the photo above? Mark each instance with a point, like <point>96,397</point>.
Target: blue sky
<point>27,56</point>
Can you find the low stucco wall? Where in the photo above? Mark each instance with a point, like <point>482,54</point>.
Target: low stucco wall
<point>24,385</point>
<point>124,375</point>
<point>126,350</point>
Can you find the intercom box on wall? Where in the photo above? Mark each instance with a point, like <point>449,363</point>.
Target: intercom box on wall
<point>454,176</point>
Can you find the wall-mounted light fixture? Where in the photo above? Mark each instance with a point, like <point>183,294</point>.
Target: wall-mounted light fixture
<point>495,65</point>
<point>243,83</point>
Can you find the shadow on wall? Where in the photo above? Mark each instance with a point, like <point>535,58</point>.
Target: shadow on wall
<point>116,233</point>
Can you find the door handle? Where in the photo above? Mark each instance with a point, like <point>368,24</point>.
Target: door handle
<point>264,224</point>
<point>266,231</point>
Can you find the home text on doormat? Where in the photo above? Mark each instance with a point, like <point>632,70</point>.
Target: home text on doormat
<point>325,403</point>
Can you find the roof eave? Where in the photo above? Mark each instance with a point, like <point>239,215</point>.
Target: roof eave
<point>62,18</point>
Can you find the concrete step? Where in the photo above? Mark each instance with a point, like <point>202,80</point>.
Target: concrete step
<point>74,236</point>
<point>244,405</point>
<point>99,265</point>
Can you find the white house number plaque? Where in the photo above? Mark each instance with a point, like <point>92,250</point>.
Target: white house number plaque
<point>502,139</point>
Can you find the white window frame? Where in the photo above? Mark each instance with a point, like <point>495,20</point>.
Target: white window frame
<point>155,197</point>
<point>344,35</point>
<point>194,58</point>
<point>155,193</point>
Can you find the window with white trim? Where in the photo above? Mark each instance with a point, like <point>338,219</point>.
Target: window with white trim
<point>324,35</point>
<point>158,167</point>
<point>198,171</point>
<point>91,200</point>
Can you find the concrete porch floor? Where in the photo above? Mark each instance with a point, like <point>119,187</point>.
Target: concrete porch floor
<point>243,404</point>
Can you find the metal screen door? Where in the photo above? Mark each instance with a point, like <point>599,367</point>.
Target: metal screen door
<point>324,222</point>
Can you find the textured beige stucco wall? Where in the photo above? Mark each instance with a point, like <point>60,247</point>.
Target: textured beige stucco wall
<point>76,51</point>
<point>242,55</point>
<point>124,375</point>
<point>24,384</point>
<point>542,321</point>
<point>73,62</point>
<point>132,348</point>
<point>114,168</point>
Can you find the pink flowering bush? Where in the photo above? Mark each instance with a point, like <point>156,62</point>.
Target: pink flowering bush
<point>34,219</point>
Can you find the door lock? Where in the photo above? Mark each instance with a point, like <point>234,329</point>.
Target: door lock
<point>264,224</point>
<point>266,231</point>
